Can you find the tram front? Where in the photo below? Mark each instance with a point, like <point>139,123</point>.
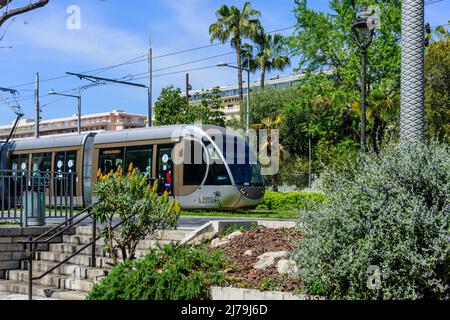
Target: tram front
<point>242,164</point>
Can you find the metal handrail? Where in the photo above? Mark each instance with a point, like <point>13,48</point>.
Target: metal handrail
<point>30,246</point>
<point>73,255</point>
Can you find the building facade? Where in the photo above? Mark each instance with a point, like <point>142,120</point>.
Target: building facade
<point>230,94</point>
<point>114,120</point>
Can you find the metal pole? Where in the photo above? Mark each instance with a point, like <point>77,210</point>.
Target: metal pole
<point>79,114</point>
<point>248,102</point>
<point>309,161</point>
<point>94,236</point>
<point>36,104</point>
<point>412,71</point>
<point>187,88</point>
<point>363,99</point>
<point>149,89</point>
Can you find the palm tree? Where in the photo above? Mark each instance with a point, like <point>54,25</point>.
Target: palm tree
<point>269,54</point>
<point>236,24</point>
<point>270,124</point>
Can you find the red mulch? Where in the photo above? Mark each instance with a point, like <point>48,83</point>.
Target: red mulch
<point>260,241</point>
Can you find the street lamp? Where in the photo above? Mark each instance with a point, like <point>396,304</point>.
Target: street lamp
<point>53,93</point>
<point>223,64</point>
<point>363,30</point>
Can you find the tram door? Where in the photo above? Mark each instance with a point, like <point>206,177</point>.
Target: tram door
<point>65,162</point>
<point>165,169</point>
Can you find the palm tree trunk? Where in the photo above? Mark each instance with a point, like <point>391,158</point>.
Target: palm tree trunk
<point>263,74</point>
<point>238,53</point>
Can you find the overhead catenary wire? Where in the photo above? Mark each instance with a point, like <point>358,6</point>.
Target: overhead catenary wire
<point>141,58</point>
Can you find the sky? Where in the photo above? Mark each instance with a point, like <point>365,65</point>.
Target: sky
<point>112,32</point>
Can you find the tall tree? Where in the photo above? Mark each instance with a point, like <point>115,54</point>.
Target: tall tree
<point>324,42</point>
<point>172,108</point>
<point>437,87</point>
<point>236,24</point>
<point>269,55</point>
<point>11,12</point>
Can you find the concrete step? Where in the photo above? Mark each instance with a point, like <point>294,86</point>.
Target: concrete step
<point>143,244</point>
<point>72,248</point>
<point>178,234</point>
<point>12,286</point>
<point>67,269</point>
<point>81,259</point>
<point>53,281</point>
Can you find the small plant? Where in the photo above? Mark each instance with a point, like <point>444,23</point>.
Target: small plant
<point>233,227</point>
<point>167,273</point>
<point>132,199</point>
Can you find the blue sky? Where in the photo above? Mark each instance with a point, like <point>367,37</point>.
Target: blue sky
<point>114,31</point>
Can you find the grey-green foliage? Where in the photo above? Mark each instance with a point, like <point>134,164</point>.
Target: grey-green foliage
<point>393,213</point>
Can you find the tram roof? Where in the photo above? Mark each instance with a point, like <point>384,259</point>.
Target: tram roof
<point>154,133</point>
<point>57,141</point>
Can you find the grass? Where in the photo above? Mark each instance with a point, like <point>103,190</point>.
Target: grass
<point>290,214</point>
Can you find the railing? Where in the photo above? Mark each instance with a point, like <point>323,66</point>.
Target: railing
<point>31,246</point>
<point>32,196</point>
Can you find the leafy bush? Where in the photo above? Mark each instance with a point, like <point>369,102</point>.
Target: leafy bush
<point>392,212</point>
<point>132,199</point>
<point>288,201</point>
<point>164,274</point>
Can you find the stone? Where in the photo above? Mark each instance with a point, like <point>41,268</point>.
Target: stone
<point>215,243</point>
<point>233,235</point>
<point>288,267</point>
<point>248,253</point>
<point>267,259</point>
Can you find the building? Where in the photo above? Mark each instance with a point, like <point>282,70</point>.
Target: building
<point>230,94</point>
<point>114,120</point>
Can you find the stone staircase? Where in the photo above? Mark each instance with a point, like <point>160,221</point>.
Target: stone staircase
<point>74,279</point>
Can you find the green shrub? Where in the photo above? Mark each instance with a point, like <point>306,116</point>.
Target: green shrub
<point>289,201</point>
<point>392,213</point>
<point>131,198</point>
<point>164,274</point>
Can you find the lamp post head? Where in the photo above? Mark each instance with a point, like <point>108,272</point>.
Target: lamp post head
<point>52,92</point>
<point>363,26</point>
<point>222,64</point>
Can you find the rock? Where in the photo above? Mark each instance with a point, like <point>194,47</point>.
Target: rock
<point>248,253</point>
<point>233,235</point>
<point>215,243</point>
<point>288,267</point>
<point>267,259</point>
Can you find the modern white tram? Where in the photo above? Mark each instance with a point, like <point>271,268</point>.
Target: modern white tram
<point>203,167</point>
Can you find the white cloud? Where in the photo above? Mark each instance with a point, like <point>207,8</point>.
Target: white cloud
<point>94,43</point>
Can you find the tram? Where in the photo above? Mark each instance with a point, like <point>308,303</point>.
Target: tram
<point>203,167</point>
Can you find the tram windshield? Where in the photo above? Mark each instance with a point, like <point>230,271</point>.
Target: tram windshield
<point>241,160</point>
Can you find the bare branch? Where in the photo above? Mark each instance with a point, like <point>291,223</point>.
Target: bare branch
<point>4,3</point>
<point>17,11</point>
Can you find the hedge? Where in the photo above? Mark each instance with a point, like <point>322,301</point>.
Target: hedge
<point>289,201</point>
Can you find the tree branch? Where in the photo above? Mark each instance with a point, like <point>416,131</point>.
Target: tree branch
<point>17,11</point>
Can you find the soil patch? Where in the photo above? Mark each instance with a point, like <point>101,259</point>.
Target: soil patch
<point>258,242</point>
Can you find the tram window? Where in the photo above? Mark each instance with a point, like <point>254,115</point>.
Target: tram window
<point>111,159</point>
<point>41,162</point>
<point>19,162</point>
<point>194,169</point>
<point>217,174</point>
<point>141,158</point>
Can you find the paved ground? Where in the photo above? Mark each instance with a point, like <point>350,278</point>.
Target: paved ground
<point>14,296</point>
<point>185,222</point>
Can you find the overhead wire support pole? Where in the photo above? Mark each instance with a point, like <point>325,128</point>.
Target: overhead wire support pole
<point>150,87</point>
<point>37,108</point>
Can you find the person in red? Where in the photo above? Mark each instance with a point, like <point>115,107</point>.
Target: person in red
<point>169,179</point>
